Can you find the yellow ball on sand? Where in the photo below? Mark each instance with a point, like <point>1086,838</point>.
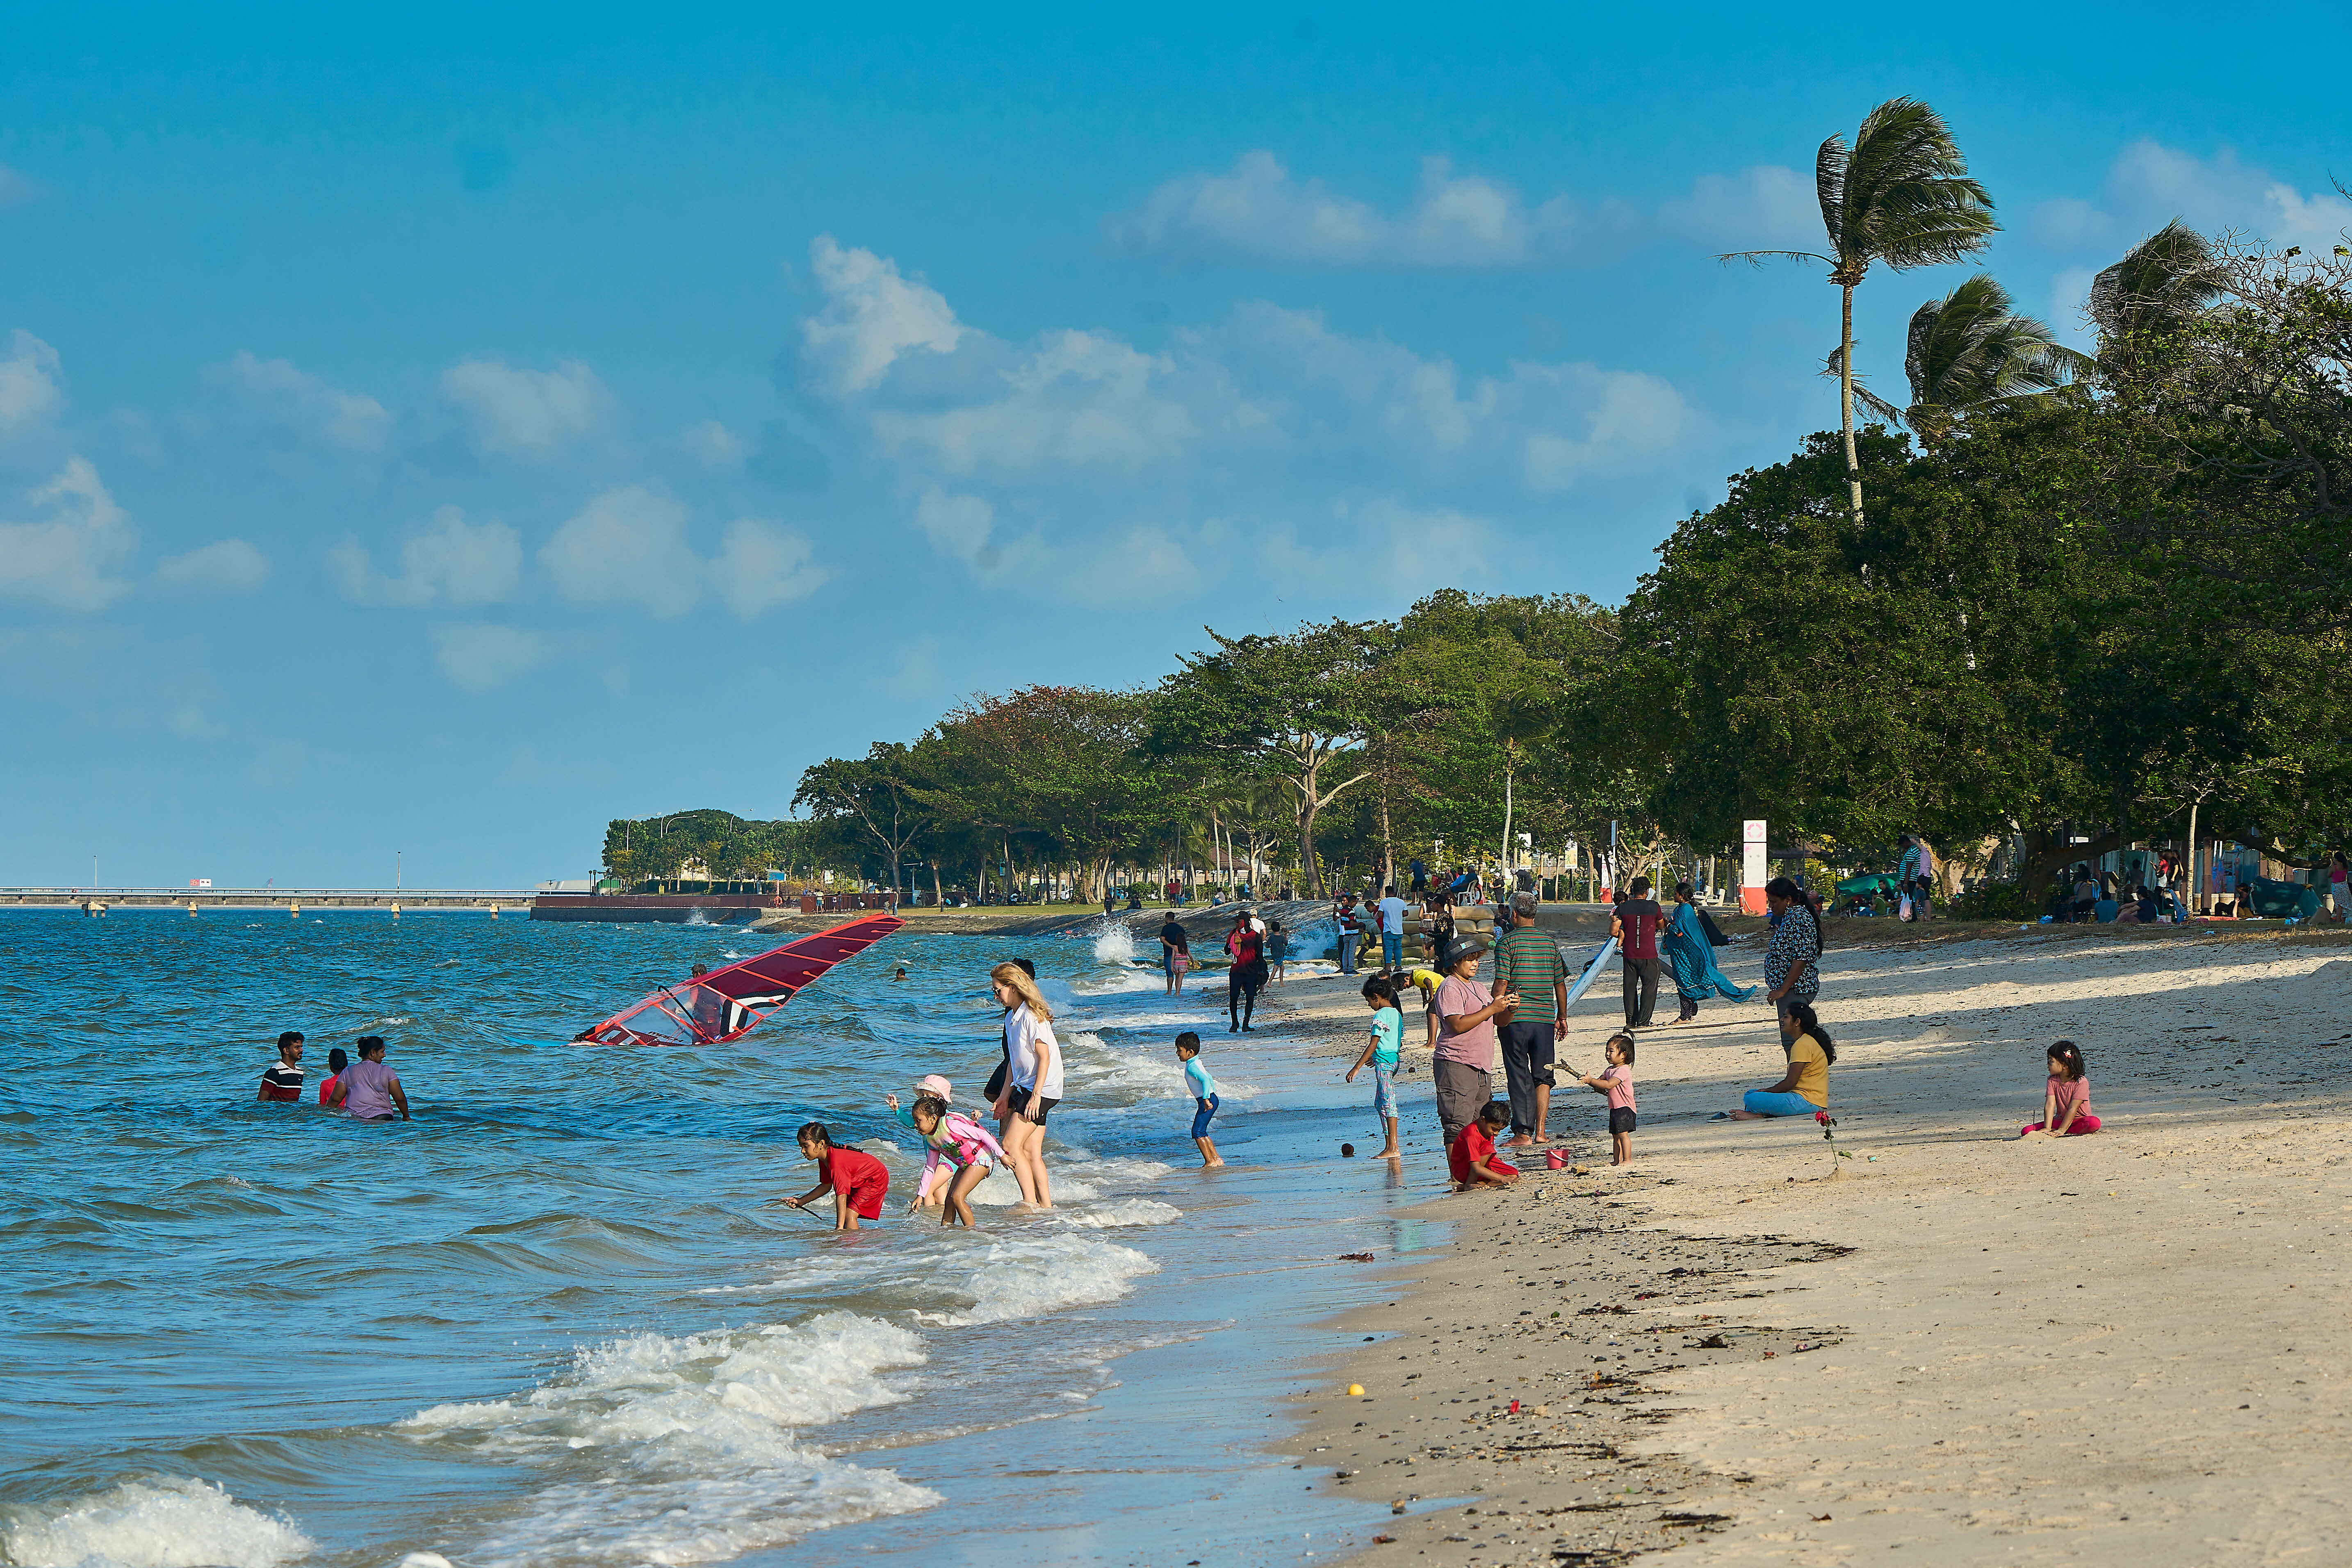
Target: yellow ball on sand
<point>1355,1390</point>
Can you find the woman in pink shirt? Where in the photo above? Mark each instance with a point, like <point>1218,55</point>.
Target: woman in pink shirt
<point>1463,1060</point>
<point>2066,1101</point>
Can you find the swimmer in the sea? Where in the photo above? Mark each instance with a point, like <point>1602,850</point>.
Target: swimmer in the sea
<point>282,1079</point>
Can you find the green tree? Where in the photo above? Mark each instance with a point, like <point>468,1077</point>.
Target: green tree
<point>1972,348</point>
<point>878,792</point>
<point>1899,196</point>
<point>1291,708</point>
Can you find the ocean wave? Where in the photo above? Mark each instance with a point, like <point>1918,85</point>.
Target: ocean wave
<point>1115,943</point>
<point>693,1440</point>
<point>162,1521</point>
<point>1125,1212</point>
<point>1026,1276</point>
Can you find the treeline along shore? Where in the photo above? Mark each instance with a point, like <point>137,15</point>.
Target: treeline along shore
<point>2056,606</point>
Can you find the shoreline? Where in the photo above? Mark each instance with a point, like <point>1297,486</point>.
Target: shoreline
<point>1753,1362</point>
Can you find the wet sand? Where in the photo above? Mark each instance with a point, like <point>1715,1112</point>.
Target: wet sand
<point>1965,1347</point>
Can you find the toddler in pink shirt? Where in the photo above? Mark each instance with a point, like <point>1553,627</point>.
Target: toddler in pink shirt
<point>2066,1102</point>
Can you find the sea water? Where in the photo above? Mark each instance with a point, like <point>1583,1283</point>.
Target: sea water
<point>559,1319</point>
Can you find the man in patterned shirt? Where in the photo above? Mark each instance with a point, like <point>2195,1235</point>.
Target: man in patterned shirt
<point>1792,964</point>
<point>283,1077</point>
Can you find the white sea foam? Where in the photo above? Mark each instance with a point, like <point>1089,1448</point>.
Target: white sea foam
<point>693,1443</point>
<point>162,1521</point>
<point>1124,1212</point>
<point>1028,1275</point>
<point>1115,943</point>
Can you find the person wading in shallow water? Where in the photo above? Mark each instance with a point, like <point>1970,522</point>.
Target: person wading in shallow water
<point>1243,981</point>
<point>282,1079</point>
<point>1033,1081</point>
<point>367,1090</point>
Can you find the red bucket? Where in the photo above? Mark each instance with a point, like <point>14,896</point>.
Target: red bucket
<point>1556,1158</point>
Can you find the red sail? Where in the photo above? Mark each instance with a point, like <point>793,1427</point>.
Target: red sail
<point>728,1004</point>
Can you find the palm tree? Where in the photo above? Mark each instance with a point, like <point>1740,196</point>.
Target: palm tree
<point>2159,284</point>
<point>1900,197</point>
<point>1972,348</point>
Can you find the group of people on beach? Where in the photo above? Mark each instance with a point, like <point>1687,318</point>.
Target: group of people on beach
<point>1522,1016</point>
<point>959,1151</point>
<point>365,1090</point>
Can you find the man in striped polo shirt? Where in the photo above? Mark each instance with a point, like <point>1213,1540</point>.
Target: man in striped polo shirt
<point>282,1079</point>
<point>1529,961</point>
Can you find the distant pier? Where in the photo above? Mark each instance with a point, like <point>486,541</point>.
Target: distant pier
<point>291,900</point>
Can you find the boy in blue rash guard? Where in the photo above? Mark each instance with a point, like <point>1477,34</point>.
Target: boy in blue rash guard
<point>1204,1097</point>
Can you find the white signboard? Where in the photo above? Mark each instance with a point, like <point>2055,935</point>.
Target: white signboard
<point>1751,860</point>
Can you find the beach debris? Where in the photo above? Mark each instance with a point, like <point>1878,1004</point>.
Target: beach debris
<point>1821,1519</point>
<point>1385,1540</point>
<point>1355,1258</point>
<point>1715,1343</point>
<point>1396,1508</point>
<point>1515,1407</point>
<point>1346,1151</point>
<point>1355,1390</point>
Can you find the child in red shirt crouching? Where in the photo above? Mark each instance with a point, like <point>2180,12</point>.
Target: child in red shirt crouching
<point>857,1181</point>
<point>1472,1158</point>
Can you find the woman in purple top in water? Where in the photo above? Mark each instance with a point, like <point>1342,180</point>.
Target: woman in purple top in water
<point>367,1090</point>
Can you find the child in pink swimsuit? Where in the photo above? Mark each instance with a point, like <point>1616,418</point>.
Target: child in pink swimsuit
<point>2066,1103</point>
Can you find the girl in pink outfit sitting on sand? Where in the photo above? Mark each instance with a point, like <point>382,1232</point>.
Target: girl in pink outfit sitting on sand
<point>2066,1104</point>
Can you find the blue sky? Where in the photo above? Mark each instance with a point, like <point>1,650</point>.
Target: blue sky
<point>425,434</point>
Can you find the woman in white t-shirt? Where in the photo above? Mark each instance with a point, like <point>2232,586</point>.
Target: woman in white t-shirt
<point>1032,1083</point>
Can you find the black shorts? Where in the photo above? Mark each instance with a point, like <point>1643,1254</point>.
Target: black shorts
<point>1016,1098</point>
<point>1621,1119</point>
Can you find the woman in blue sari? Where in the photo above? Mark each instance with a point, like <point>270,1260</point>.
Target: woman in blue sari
<point>1687,951</point>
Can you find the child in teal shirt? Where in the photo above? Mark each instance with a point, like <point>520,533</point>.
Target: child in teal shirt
<point>1204,1097</point>
<point>1380,1053</point>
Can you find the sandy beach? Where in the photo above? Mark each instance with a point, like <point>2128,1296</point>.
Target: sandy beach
<point>1966,1347</point>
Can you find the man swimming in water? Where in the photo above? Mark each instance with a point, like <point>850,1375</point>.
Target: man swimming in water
<point>282,1079</point>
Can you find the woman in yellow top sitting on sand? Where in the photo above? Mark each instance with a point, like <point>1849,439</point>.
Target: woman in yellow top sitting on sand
<point>1806,1087</point>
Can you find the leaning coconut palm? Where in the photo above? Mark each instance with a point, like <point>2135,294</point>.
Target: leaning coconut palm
<point>1900,197</point>
<point>2160,283</point>
<point>1972,348</point>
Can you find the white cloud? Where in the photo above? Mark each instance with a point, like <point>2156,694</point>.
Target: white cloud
<point>1082,461</point>
<point>18,190</point>
<point>1545,425</point>
<point>29,397</point>
<point>448,561</point>
<point>713,445</point>
<point>1256,210</point>
<point>478,655</point>
<point>871,317</point>
<point>2150,183</point>
<point>626,546</point>
<point>350,421</point>
<point>761,565</point>
<point>70,557</point>
<point>957,526</point>
<point>1767,208</point>
<point>224,566</point>
<point>527,412</point>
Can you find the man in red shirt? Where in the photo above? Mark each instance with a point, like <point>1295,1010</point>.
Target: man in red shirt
<point>857,1181</point>
<point>1636,926</point>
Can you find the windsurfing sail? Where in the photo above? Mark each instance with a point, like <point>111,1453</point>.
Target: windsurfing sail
<point>1591,969</point>
<point>723,1005</point>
